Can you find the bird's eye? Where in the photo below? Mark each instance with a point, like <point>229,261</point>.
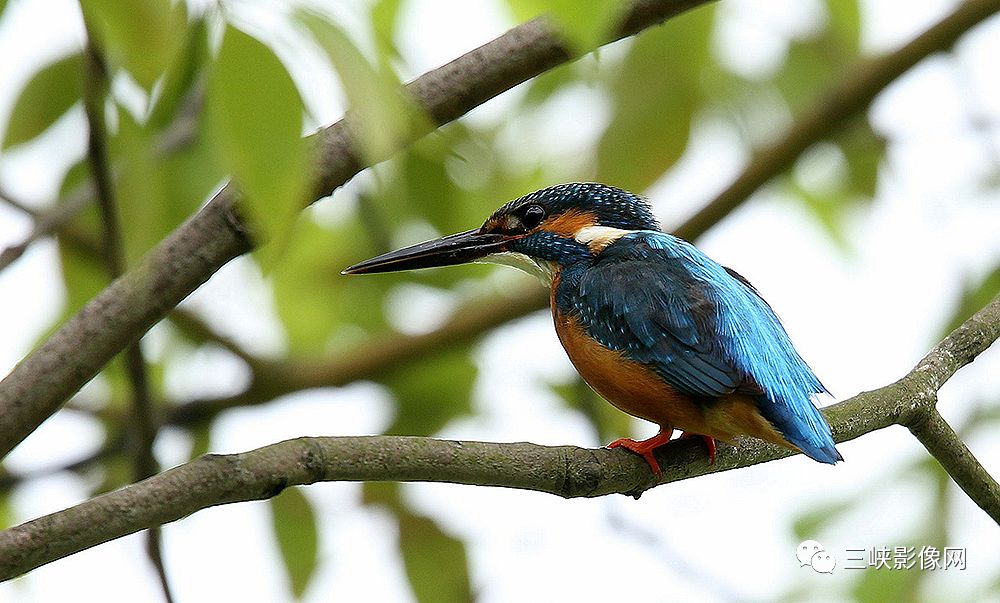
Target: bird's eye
<point>532,216</point>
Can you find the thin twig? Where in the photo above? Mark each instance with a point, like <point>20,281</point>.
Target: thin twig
<point>112,446</point>
<point>566,471</point>
<point>49,222</point>
<point>142,426</point>
<point>12,200</point>
<point>195,328</point>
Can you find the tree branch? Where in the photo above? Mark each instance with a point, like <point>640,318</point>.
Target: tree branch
<point>566,471</point>
<point>142,427</point>
<point>49,222</point>
<point>955,457</point>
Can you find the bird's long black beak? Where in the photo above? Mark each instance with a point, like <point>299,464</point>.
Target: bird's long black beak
<point>453,249</point>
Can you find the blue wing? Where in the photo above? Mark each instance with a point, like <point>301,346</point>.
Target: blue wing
<point>703,328</point>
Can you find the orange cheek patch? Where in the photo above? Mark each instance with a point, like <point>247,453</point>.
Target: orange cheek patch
<point>568,223</point>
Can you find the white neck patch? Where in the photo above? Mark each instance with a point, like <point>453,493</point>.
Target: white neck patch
<point>596,238</point>
<point>542,269</point>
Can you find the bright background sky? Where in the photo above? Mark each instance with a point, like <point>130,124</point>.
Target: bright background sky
<point>861,320</point>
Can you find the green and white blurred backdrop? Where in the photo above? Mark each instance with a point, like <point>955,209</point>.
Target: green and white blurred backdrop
<point>870,246</point>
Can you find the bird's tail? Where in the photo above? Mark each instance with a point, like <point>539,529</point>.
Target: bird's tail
<point>804,427</point>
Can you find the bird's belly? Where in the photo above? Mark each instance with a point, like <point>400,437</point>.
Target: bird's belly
<point>628,385</point>
<point>637,390</point>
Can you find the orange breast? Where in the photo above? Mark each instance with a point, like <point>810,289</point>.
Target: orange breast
<point>637,390</point>
<point>630,386</point>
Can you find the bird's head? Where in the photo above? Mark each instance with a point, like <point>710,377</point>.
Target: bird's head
<point>541,231</point>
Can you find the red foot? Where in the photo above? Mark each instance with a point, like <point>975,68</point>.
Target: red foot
<point>645,448</point>
<point>709,443</point>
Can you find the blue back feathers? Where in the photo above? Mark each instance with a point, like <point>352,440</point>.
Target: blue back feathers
<point>704,329</point>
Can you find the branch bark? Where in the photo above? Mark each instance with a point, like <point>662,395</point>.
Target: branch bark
<point>125,310</point>
<point>948,448</point>
<point>566,471</point>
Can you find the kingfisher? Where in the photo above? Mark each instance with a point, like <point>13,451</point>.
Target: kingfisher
<point>652,324</point>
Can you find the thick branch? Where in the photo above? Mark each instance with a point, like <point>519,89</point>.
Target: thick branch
<point>566,471</point>
<point>124,311</point>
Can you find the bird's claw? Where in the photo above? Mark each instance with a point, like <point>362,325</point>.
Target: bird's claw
<point>645,449</point>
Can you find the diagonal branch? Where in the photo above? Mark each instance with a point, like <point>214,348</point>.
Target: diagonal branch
<point>948,448</point>
<point>566,471</point>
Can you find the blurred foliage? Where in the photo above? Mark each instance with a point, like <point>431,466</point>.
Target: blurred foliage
<point>657,93</point>
<point>584,25</point>
<point>976,294</point>
<point>294,524</point>
<point>142,37</point>
<point>840,515</point>
<point>255,121</point>
<point>435,562</point>
<point>46,98</point>
<point>200,96</point>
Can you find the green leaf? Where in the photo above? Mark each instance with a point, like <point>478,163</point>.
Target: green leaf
<point>156,192</point>
<point>142,204</point>
<point>294,524</point>
<point>84,275</point>
<point>313,299</point>
<point>844,26</point>
<point>864,150</point>
<point>812,64</point>
<point>609,422</point>
<point>201,440</point>
<point>46,98</point>
<point>974,297</point>
<point>877,586</point>
<point>656,94</point>
<point>436,563</point>
<point>385,20</point>
<point>181,77</point>
<point>585,25</point>
<point>7,515</point>
<point>808,525</point>
<point>545,86</point>
<point>255,122</point>
<point>384,116</point>
<point>431,392</point>
<point>143,37</point>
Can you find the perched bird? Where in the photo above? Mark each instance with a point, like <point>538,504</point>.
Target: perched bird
<point>656,327</point>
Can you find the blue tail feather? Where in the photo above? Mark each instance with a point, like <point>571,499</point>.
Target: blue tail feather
<point>804,427</point>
